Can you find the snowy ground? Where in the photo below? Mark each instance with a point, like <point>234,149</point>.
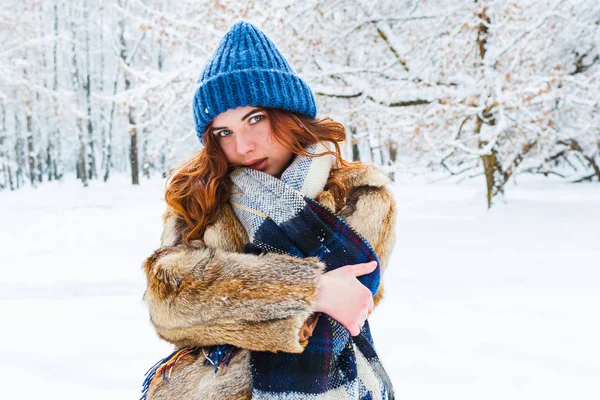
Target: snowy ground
<point>479,305</point>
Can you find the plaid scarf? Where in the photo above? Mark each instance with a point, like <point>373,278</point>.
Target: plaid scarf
<point>281,215</point>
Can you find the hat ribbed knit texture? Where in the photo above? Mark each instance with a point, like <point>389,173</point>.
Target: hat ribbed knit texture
<point>248,70</point>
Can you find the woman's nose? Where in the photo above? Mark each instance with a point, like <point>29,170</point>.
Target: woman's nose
<point>245,142</point>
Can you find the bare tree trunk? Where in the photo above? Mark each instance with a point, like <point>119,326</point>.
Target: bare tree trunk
<point>490,168</point>
<point>107,142</point>
<point>393,150</point>
<point>40,167</point>
<point>354,141</point>
<point>133,150</point>
<point>19,153</point>
<point>146,162</point>
<point>91,156</point>
<point>49,161</point>
<point>41,155</point>
<point>54,142</point>
<point>30,154</point>
<point>8,170</point>
<point>491,165</point>
<point>30,147</point>
<point>3,152</point>
<point>3,178</point>
<point>82,162</point>
<point>133,153</point>
<point>102,118</point>
<point>11,181</point>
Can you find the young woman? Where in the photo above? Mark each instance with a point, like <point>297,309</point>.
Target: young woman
<point>273,246</point>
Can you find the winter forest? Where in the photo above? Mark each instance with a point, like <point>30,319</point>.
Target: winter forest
<point>485,114</point>
<point>455,89</point>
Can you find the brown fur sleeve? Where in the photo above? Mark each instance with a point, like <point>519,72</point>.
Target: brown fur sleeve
<point>208,296</point>
<point>371,210</point>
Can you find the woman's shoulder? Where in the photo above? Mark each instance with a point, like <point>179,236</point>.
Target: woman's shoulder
<point>351,182</point>
<point>356,174</point>
<point>225,232</point>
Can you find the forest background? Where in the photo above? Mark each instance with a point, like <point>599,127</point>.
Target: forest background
<point>502,97</point>
<point>444,89</point>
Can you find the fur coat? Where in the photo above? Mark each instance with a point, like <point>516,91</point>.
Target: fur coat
<point>218,295</point>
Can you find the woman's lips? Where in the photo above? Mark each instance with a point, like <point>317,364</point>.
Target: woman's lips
<point>261,165</point>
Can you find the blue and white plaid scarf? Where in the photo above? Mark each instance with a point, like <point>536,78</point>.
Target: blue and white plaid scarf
<point>280,215</point>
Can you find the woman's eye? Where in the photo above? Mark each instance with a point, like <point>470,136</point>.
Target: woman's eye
<point>224,132</point>
<point>255,118</point>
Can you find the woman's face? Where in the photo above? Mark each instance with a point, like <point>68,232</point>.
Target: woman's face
<point>244,134</point>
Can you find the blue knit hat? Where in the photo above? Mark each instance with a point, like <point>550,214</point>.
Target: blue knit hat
<point>248,70</point>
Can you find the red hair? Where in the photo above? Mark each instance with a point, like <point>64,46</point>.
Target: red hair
<point>200,186</point>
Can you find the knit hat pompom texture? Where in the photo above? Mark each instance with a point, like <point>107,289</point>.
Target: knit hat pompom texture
<point>248,70</point>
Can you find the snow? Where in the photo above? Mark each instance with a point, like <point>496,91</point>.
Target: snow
<point>495,305</point>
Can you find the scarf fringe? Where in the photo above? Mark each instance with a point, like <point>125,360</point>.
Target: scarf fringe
<point>220,355</point>
<point>162,366</point>
<point>217,355</point>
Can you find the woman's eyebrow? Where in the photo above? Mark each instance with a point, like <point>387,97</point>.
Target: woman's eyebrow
<point>243,119</point>
<point>250,113</point>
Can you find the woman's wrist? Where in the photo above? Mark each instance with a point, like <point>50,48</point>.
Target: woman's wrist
<point>322,284</point>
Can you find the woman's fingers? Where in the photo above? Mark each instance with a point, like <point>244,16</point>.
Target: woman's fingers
<point>360,322</point>
<point>364,269</point>
<point>354,331</point>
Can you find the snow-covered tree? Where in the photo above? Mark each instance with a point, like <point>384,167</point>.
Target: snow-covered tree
<point>492,87</point>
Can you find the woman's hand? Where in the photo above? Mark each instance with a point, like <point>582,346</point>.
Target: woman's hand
<point>341,296</point>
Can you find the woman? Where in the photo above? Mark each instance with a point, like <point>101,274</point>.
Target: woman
<point>272,247</point>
